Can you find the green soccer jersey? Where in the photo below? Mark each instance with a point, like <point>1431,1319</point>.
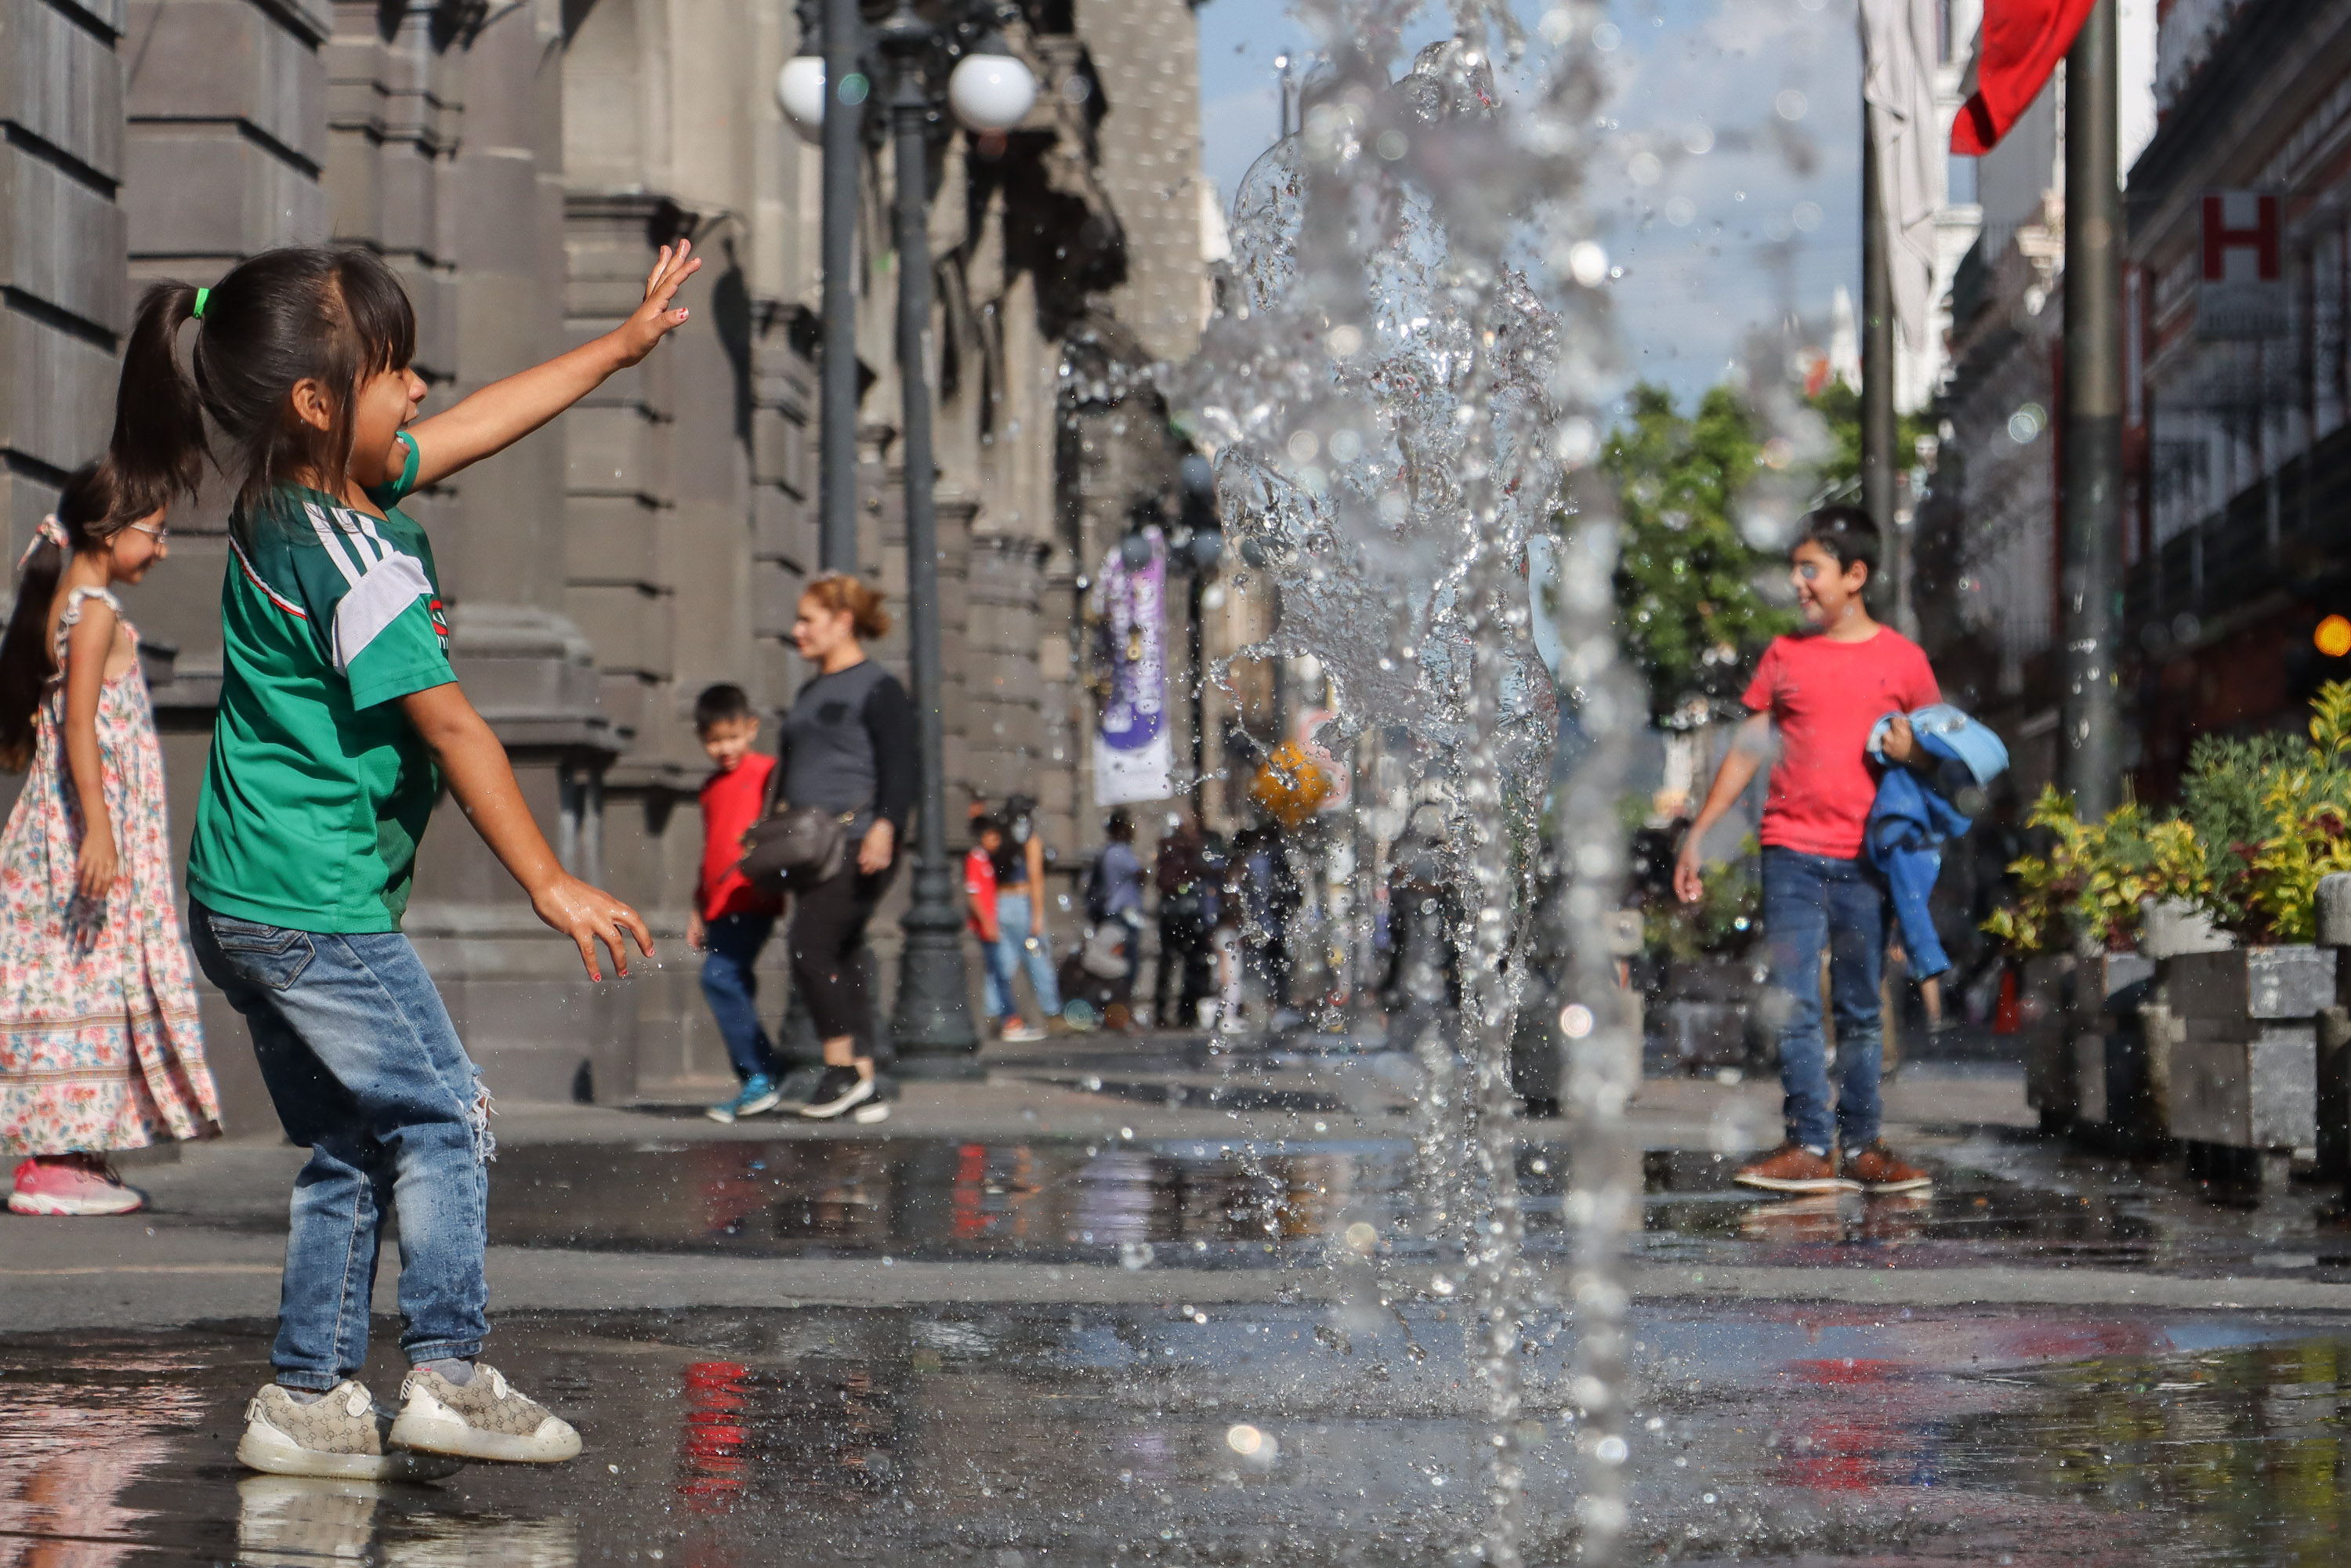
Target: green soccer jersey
<point>318,788</point>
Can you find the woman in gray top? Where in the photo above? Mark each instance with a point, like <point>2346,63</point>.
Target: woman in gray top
<point>846,747</point>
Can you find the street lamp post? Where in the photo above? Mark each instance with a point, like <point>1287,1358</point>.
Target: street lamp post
<point>932,1022</point>
<point>989,90</point>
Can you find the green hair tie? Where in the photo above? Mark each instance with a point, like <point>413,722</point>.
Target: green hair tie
<point>201,295</point>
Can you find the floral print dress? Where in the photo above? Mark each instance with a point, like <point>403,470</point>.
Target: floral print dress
<point>100,1044</point>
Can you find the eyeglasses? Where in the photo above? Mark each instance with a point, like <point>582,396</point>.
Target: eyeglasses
<point>160,536</point>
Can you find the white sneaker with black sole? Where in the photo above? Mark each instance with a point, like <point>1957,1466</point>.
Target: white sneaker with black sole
<point>842,1091</point>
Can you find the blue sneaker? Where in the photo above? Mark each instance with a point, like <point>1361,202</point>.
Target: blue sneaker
<point>759,1093</point>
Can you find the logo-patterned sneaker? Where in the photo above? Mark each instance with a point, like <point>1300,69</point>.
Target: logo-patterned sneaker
<point>343,1435</point>
<point>482,1420</point>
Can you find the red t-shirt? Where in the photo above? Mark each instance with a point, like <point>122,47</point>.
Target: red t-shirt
<point>979,883</point>
<point>1825,696</point>
<point>730,804</point>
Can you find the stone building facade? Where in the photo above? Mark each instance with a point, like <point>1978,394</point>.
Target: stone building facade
<point>519,164</point>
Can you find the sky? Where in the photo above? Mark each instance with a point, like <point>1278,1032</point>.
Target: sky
<point>1769,213</point>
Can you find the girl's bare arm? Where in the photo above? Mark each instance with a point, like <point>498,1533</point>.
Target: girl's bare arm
<point>87,643</point>
<point>483,782</point>
<point>503,413</point>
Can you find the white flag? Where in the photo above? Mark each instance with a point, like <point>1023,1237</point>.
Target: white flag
<point>1897,84</point>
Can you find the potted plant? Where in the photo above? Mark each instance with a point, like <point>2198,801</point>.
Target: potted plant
<point>2076,924</point>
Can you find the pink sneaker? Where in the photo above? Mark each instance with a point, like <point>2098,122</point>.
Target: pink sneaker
<point>77,1184</point>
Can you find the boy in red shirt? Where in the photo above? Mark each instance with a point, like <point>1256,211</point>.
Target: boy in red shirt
<point>979,914</point>
<point>1822,689</point>
<point>732,919</point>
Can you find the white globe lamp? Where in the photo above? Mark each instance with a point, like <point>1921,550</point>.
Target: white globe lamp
<point>800,93</point>
<point>991,92</point>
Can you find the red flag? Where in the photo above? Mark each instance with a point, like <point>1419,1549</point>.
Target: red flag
<point>2017,49</point>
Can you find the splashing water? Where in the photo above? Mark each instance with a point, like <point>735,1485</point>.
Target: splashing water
<point>1394,395</point>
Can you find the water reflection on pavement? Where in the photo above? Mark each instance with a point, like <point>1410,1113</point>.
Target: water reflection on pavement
<point>1243,1435</point>
<point>1240,1203</point>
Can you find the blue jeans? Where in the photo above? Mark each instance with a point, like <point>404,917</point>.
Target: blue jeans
<point>366,1072</point>
<point>731,945</point>
<point>996,974</point>
<point>1013,953</point>
<point>1811,901</point>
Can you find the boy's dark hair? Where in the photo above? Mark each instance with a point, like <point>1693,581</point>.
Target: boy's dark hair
<point>1121,826</point>
<point>1847,534</point>
<point>279,319</point>
<point>987,823</point>
<point>720,704</point>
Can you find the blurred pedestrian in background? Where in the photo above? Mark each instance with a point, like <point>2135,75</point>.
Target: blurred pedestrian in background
<point>1186,880</point>
<point>1270,895</point>
<point>986,920</point>
<point>732,920</point>
<point>1020,913</point>
<point>847,748</point>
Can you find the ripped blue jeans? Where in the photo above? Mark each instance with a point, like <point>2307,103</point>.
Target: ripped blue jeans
<point>366,1072</point>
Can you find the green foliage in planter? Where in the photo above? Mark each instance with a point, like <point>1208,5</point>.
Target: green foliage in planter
<point>2088,887</point>
<point>1724,920</point>
<point>2222,794</point>
<point>2306,806</point>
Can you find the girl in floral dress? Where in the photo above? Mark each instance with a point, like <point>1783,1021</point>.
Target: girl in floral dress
<point>99,1045</point>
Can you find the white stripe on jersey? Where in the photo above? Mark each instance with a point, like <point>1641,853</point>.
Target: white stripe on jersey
<point>377,599</point>
<point>331,536</point>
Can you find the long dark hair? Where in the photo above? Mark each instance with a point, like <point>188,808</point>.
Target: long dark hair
<point>94,506</point>
<point>278,319</point>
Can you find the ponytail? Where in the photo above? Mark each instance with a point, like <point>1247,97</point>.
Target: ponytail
<point>277,319</point>
<point>157,452</point>
<point>94,506</point>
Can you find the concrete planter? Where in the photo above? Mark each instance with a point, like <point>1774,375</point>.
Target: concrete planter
<point>2243,1069</point>
<point>2042,988</point>
<point>1702,1023</point>
<point>2107,1050</point>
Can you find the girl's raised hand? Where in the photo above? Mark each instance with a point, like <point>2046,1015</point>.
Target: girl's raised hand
<point>655,319</point>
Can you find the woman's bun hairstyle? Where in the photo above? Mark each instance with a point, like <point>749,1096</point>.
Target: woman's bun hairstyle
<point>838,591</point>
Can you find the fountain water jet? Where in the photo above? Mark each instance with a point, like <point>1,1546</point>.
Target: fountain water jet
<point>1416,326</point>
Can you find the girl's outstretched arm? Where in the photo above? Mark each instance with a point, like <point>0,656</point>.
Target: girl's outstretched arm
<point>88,643</point>
<point>483,782</point>
<point>503,413</point>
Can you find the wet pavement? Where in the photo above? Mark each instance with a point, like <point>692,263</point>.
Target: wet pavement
<point>1093,1310</point>
<point>1259,1435</point>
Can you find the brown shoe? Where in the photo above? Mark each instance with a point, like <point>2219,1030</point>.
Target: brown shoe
<point>1792,1168</point>
<point>1875,1169</point>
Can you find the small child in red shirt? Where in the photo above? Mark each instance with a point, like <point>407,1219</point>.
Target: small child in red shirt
<point>1823,690</point>
<point>732,920</point>
<point>979,895</point>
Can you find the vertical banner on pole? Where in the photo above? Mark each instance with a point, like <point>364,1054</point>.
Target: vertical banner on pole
<point>1133,760</point>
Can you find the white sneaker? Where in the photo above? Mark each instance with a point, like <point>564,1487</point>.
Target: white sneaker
<point>1021,1034</point>
<point>482,1420</point>
<point>873,1111</point>
<point>343,1435</point>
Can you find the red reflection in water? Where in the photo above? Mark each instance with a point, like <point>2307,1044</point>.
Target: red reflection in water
<point>970,1177</point>
<point>710,1449</point>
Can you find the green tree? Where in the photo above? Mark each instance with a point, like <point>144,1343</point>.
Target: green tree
<point>1839,406</point>
<point>1686,579</point>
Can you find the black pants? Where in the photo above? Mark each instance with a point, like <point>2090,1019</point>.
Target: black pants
<point>827,945</point>
<point>1188,967</point>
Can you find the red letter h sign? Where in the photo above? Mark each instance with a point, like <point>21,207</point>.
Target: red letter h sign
<point>2221,237</point>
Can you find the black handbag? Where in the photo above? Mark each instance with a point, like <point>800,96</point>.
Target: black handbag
<point>794,846</point>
